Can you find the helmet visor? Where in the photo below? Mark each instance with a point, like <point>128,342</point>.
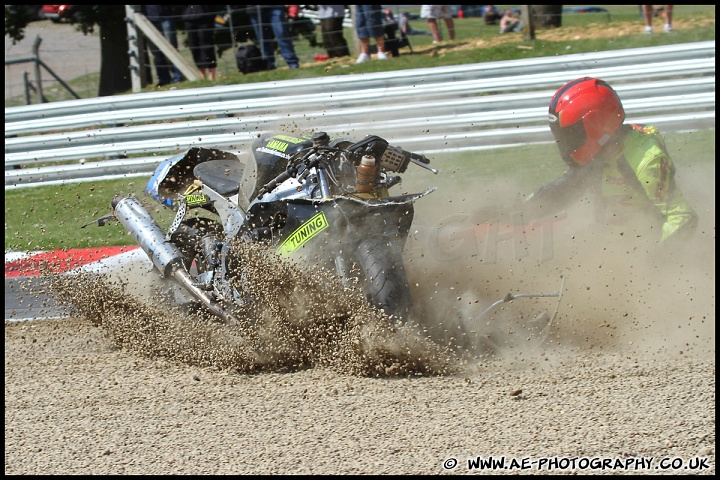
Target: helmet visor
<point>569,138</point>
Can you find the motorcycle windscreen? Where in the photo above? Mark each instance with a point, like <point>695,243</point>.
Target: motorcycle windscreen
<point>271,154</point>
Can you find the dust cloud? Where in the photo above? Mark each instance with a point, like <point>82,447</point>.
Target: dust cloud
<point>620,289</point>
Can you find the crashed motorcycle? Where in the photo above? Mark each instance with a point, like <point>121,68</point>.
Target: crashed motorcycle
<point>312,198</point>
<point>315,199</point>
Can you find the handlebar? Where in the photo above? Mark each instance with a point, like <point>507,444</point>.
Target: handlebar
<point>302,158</point>
<point>270,186</point>
<point>422,161</point>
<point>416,157</point>
<point>394,159</point>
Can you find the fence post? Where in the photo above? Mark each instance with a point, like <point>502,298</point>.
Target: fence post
<point>36,63</point>
<point>26,87</point>
<point>356,39</point>
<point>528,29</point>
<point>229,11</point>
<point>136,50</point>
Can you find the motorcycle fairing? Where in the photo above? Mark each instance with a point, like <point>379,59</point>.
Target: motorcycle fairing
<point>176,173</point>
<point>395,200</point>
<point>153,185</point>
<point>325,223</point>
<point>303,234</point>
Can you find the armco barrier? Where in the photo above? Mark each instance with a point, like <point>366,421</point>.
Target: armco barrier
<point>473,106</point>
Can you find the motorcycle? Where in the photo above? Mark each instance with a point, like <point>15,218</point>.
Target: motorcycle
<point>314,198</point>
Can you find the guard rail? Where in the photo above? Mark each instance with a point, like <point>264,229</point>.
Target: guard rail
<point>460,107</point>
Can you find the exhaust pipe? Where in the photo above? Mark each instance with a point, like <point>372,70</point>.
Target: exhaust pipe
<point>147,234</point>
<point>166,257</point>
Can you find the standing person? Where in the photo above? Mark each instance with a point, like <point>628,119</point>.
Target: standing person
<point>162,17</point>
<point>434,12</point>
<point>626,167</point>
<point>369,24</point>
<point>331,25</point>
<point>648,14</point>
<point>270,23</point>
<point>200,28</point>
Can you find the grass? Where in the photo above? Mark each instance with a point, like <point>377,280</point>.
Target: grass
<point>50,217</point>
<point>46,218</point>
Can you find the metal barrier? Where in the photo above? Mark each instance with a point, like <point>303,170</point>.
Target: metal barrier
<point>473,106</point>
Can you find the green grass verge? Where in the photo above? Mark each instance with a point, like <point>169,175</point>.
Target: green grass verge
<point>50,217</point>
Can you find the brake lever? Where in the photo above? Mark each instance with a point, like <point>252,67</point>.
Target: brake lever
<point>422,161</point>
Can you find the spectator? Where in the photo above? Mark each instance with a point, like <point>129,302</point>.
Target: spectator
<point>200,28</point>
<point>510,22</point>
<point>369,24</point>
<point>270,23</point>
<point>300,26</point>
<point>162,17</point>
<point>406,28</point>
<point>648,14</point>
<point>491,14</point>
<point>625,167</point>
<point>388,16</point>
<point>331,25</point>
<point>434,12</point>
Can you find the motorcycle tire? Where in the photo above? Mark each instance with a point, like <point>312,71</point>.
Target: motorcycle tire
<point>188,240</point>
<point>189,244</point>
<point>383,276</point>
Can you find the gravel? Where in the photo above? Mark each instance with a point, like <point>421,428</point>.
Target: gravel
<point>627,373</point>
<point>75,404</point>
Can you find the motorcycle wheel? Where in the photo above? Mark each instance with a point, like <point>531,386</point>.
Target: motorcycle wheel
<point>383,276</point>
<point>188,241</point>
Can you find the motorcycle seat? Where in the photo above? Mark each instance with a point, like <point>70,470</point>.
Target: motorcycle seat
<point>223,176</point>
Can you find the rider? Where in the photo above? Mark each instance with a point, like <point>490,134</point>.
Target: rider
<point>625,166</point>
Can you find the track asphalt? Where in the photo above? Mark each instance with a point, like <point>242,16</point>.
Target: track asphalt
<point>24,300</point>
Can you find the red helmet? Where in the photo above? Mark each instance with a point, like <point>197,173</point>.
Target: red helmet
<point>584,114</point>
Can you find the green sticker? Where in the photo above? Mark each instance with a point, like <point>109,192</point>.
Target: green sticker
<point>195,199</point>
